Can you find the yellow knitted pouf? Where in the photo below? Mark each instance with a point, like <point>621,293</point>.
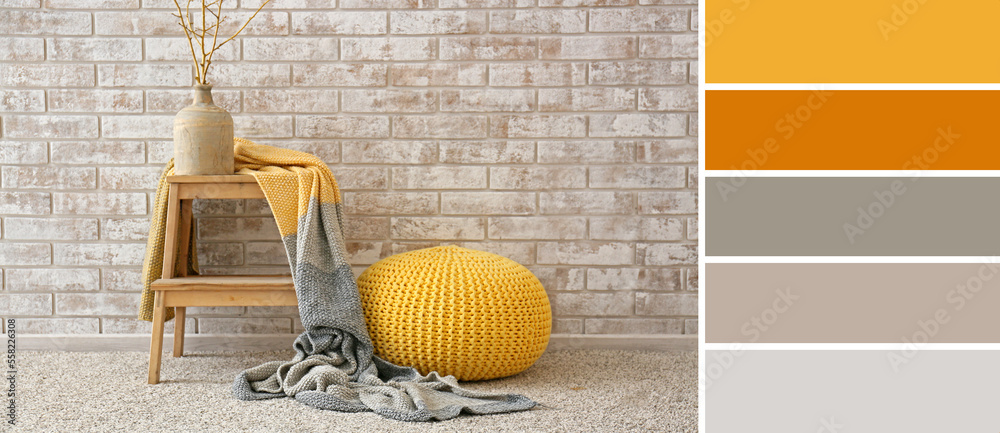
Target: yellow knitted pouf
<point>471,314</point>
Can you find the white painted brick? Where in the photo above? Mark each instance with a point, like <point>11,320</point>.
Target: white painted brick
<point>437,22</point>
<point>692,229</point>
<point>125,229</point>
<point>647,20</point>
<point>340,75</point>
<point>538,21</point>
<point>342,126</point>
<point>89,50</point>
<point>538,74</point>
<point>13,254</point>
<point>289,49</point>
<point>24,304</point>
<point>487,100</point>
<point>591,152</point>
<point>49,126</point>
<point>386,4</point>
<point>49,177</point>
<point>586,202</point>
<point>122,280</point>
<point>220,253</point>
<point>238,229</point>
<point>136,23</point>
<point>575,3</point>
<point>692,279</point>
<point>585,253</point>
<point>540,125</point>
<point>668,47</point>
<point>438,74</point>
<point>131,325</point>
<point>366,253</point>
<point>98,152</point>
<point>92,4</point>
<point>145,75</point>
<point>635,326</point>
<point>389,101</point>
<point>293,101</point>
<point>637,229</point>
<point>23,152</point>
<point>592,304</point>
<point>487,152</point>
<point>25,203</point>
<point>537,227</point>
<point>389,152</point>
<point>177,49</point>
<point>370,178</point>
<point>46,75</point>
<point>45,22</point>
<point>99,203</point>
<point>488,48</point>
<point>667,254</point>
<point>668,202</point>
<point>28,326</point>
<point>137,126</point>
<point>587,47</point>
<point>266,253</point>
<point>439,126</point>
<point>669,99</point>
<point>588,99</point>
<point>130,177</point>
<point>264,24</point>
<point>666,304</point>
<point>490,203</point>
<point>12,101</point>
<point>55,280</point>
<point>684,150</point>
<point>520,252</point>
<point>435,178</point>
<point>642,72</point>
<point>443,228</point>
<point>634,177</point>
<point>646,279</point>
<point>250,75</point>
<point>89,304</point>
<point>338,23</point>
<point>388,49</point>
<point>172,101</point>
<point>560,278</point>
<point>244,325</point>
<point>98,254</point>
<point>64,229</point>
<point>391,203</point>
<point>567,326</point>
<point>95,100</point>
<point>638,125</point>
<point>537,178</point>
<point>692,178</point>
<point>262,126</point>
<point>360,227</point>
<point>22,49</point>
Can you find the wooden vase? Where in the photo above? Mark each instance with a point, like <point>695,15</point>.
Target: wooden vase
<point>203,136</point>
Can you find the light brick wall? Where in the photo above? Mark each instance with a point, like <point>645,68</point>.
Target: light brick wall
<point>559,133</point>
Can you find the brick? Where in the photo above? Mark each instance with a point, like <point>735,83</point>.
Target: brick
<point>99,254</point>
<point>80,49</point>
<point>22,49</point>
<point>366,252</point>
<point>227,207</point>
<point>286,49</point>
<point>487,100</point>
<point>666,304</point>
<point>586,202</point>
<point>588,99</point>
<point>46,75</point>
<point>338,23</point>
<point>692,178</point>
<point>385,101</point>
<point>560,278</point>
<point>342,126</point>
<point>635,177</point>
<point>480,4</point>
<point>130,177</point>
<point>693,125</point>
<point>172,101</point>
<point>328,151</point>
<point>134,23</point>
<point>693,74</point>
<point>45,23</point>
<point>353,178</point>
<point>641,72</point>
<point>587,47</point>
<point>389,152</point>
<point>538,21</point>
<point>146,75</point>
<point>667,254</point>
<point>96,304</point>
<point>666,202</point>
<point>23,152</point>
<point>238,229</point>
<point>438,74</point>
<point>491,203</point>
<point>266,23</point>
<point>220,253</point>
<point>487,152</point>
<point>439,126</point>
<point>439,177</point>
<point>634,279</point>
<point>638,125</point>
<point>61,126</point>
<point>28,326</point>
<point>692,279</point>
<point>137,126</point>
<point>437,228</point>
<point>635,326</point>
<point>488,48</point>
<point>284,4</point>
<point>92,4</point>
<point>536,227</point>
<point>12,101</point>
<point>567,326</point>
<point>520,252</point>
<point>388,49</point>
<point>669,99</point>
<point>541,125</point>
<point>125,229</point>
<point>12,254</point>
<point>391,203</point>
<point>637,229</point>
<point>23,304</point>
<point>538,74</point>
<point>55,280</point>
<point>668,2</point>
<point>537,178</point>
<point>95,100</point>
<point>437,22</point>
<point>46,229</point>
<point>244,325</point>
<point>386,4</point>
<point>691,326</point>
<point>266,253</point>
<point>98,203</point>
<point>25,203</point>
<point>684,150</point>
<point>692,229</point>
<point>98,152</point>
<point>647,20</point>
<point>340,75</point>
<point>262,126</point>
<point>250,75</point>
<point>131,325</point>
<point>590,152</point>
<point>178,50</point>
<point>122,280</point>
<point>592,304</point>
<point>362,227</point>
<point>585,253</point>
<point>575,3</point>
<point>668,47</point>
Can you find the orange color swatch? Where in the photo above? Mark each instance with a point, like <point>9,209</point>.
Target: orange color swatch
<point>852,130</point>
<point>852,41</point>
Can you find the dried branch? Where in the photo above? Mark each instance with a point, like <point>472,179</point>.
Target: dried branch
<point>245,24</point>
<point>197,35</point>
<point>187,34</point>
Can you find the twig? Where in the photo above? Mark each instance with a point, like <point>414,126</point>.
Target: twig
<point>245,24</point>
<point>194,57</point>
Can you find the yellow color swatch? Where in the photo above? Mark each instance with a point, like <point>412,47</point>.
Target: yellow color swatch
<point>852,41</point>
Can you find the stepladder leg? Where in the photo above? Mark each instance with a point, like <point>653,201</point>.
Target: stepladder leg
<point>156,341</point>
<point>179,313</point>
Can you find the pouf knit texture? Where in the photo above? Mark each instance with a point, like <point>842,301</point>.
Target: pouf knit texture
<point>471,314</point>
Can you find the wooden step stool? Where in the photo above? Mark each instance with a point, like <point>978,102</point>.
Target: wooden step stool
<point>177,289</point>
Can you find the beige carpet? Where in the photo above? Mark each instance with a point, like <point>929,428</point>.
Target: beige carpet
<point>583,390</point>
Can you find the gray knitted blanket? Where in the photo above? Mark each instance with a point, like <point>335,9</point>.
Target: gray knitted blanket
<point>335,367</point>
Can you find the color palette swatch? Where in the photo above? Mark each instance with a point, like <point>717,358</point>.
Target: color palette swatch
<point>850,215</point>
